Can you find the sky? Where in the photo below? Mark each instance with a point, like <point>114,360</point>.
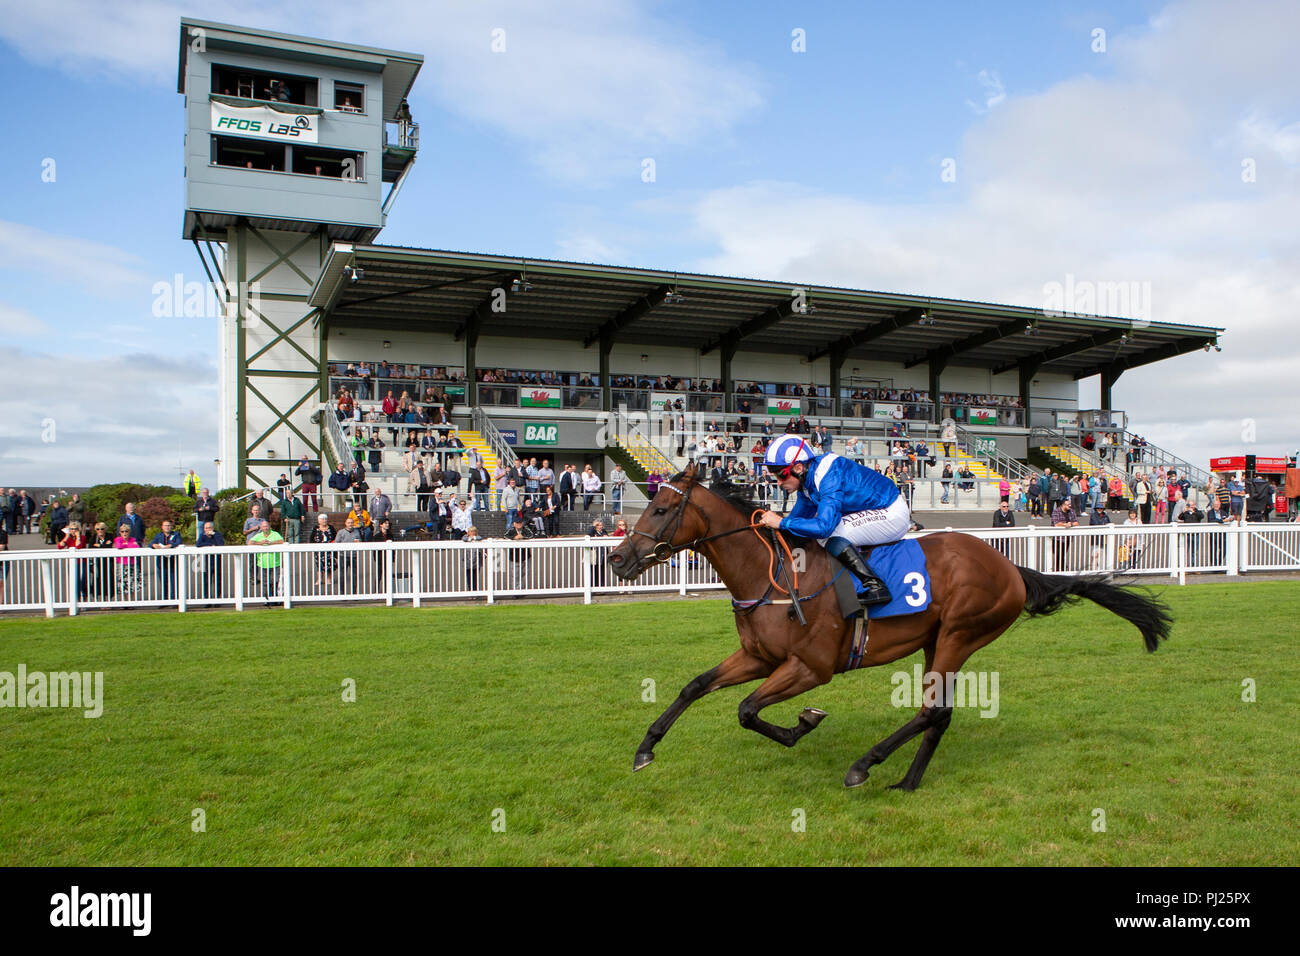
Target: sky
<point>1137,142</point>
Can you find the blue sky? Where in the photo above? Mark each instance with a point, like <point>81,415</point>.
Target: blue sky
<point>820,166</point>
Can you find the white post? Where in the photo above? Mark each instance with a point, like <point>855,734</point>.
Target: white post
<point>1031,547</point>
<point>1108,562</point>
<point>286,578</point>
<point>390,560</point>
<point>72,587</point>
<point>182,579</point>
<point>415,577</point>
<point>239,580</point>
<point>490,570</point>
<point>1230,548</point>
<point>1243,546</point>
<point>47,585</point>
<point>586,569</point>
<point>681,573</point>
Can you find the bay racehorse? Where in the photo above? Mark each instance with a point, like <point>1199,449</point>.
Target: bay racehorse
<point>976,594</point>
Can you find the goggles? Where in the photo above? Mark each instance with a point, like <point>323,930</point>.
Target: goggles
<point>781,471</point>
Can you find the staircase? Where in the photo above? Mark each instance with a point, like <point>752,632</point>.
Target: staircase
<point>645,457</point>
<point>475,440</point>
<point>1073,460</point>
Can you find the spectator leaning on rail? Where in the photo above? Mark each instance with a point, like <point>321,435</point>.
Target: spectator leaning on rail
<point>462,518</point>
<point>210,537</point>
<point>1003,517</point>
<point>268,560</point>
<point>166,540</point>
<point>841,502</point>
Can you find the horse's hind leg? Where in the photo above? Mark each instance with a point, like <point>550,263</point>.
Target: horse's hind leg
<point>857,774</point>
<point>791,679</point>
<point>939,718</point>
<point>739,668</point>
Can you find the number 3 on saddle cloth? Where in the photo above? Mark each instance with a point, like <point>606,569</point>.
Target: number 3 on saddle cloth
<point>902,567</point>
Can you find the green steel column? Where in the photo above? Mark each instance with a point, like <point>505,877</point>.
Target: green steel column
<point>241,353</point>
<point>726,353</point>
<point>606,394</point>
<point>837,356</point>
<point>1109,376</point>
<point>322,332</point>
<point>936,371</point>
<point>1027,371</point>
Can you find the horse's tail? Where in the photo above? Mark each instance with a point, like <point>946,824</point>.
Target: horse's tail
<point>1046,594</point>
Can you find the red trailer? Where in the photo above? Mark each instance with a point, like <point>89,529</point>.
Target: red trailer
<point>1248,466</point>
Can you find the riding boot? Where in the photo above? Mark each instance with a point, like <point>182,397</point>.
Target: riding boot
<point>875,591</point>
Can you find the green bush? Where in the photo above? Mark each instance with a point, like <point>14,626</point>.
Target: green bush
<point>107,503</point>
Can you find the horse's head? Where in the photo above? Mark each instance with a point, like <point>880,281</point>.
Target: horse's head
<point>670,520</point>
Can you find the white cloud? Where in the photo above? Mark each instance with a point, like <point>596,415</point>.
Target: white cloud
<point>16,322</point>
<point>1270,134</point>
<point>991,90</point>
<point>96,266</point>
<point>122,417</point>
<point>587,249</point>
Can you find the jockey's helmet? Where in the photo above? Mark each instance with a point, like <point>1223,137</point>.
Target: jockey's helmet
<point>784,452</point>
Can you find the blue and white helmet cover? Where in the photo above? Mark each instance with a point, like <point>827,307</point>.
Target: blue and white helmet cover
<point>788,449</point>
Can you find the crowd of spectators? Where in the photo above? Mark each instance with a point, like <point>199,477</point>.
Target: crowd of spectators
<point>367,379</point>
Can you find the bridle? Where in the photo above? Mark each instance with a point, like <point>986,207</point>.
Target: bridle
<point>664,548</point>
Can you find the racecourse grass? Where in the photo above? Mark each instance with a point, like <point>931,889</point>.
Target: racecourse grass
<point>536,711</point>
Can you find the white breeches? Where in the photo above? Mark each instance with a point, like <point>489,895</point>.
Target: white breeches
<point>879,526</point>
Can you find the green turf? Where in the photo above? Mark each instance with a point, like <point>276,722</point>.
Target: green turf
<point>537,711</point>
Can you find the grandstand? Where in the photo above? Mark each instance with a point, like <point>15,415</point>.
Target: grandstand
<point>290,144</point>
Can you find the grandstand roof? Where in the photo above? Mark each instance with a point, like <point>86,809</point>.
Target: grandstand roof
<point>441,291</point>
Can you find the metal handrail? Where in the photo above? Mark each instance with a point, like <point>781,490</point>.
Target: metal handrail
<point>1198,475</point>
<point>496,441</point>
<point>334,429</point>
<point>1006,465</point>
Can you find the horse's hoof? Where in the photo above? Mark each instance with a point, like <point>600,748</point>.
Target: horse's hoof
<point>902,785</point>
<point>812,716</point>
<point>642,759</point>
<point>855,778</point>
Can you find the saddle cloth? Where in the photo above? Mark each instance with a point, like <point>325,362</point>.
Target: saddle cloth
<point>902,567</point>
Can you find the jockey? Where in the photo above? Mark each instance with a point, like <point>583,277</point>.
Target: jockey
<point>841,503</point>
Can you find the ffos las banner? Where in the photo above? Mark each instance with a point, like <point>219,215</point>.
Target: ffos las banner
<point>263,122</point>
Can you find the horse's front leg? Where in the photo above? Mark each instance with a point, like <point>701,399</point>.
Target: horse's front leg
<point>791,679</point>
<point>741,667</point>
